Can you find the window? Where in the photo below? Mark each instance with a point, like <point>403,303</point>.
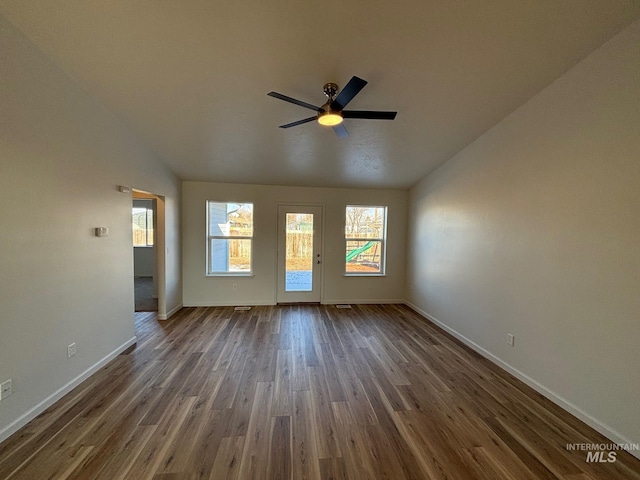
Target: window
<point>230,238</point>
<point>365,234</point>
<point>142,227</point>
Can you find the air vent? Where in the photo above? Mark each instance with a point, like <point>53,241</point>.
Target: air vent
<point>242,308</point>
<point>343,305</point>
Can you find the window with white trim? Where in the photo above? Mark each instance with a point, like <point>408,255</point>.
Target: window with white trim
<point>142,217</point>
<point>365,235</point>
<point>229,238</point>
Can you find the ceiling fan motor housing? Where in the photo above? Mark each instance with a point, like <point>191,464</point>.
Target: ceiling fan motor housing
<point>328,114</point>
<point>330,90</point>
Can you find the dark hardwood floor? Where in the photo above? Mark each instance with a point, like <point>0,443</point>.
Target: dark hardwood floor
<point>303,392</point>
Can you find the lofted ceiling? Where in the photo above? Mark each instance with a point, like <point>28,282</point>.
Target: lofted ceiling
<point>191,77</point>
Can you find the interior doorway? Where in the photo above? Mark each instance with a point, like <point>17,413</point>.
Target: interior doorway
<point>148,244</point>
<point>299,254</point>
<point>144,254</point>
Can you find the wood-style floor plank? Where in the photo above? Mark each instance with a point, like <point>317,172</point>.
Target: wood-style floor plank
<point>303,392</point>
<point>255,454</point>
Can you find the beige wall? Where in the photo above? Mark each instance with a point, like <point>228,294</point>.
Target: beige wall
<point>62,156</point>
<point>260,288</point>
<point>534,229</point>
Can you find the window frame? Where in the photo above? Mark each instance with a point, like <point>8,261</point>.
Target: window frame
<point>148,231</point>
<point>209,272</point>
<point>382,240</point>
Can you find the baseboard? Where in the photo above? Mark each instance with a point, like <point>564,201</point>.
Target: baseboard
<point>228,304</point>
<point>32,413</point>
<point>167,316</point>
<point>364,302</point>
<point>323,302</point>
<point>574,410</point>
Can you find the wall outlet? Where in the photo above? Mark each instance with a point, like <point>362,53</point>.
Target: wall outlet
<point>71,350</point>
<point>511,340</point>
<point>6,389</point>
<point>235,286</point>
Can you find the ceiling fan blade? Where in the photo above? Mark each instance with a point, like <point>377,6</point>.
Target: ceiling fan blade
<point>341,131</point>
<point>349,91</point>
<point>299,122</point>
<point>293,100</point>
<point>368,114</point>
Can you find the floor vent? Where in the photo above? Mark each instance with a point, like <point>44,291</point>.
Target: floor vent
<point>242,308</point>
<point>343,305</point>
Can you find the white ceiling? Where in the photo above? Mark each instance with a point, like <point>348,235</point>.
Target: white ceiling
<point>190,77</point>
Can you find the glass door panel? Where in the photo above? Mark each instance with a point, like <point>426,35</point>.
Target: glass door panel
<point>299,253</point>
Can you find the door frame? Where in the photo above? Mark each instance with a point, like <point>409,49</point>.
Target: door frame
<point>160,274</point>
<point>316,296</point>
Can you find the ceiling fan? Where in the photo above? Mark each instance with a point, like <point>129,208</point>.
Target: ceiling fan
<point>332,113</point>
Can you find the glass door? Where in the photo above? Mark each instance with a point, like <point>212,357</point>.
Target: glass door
<point>299,253</point>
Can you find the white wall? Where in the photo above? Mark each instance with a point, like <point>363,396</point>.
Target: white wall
<point>62,156</point>
<point>144,259</point>
<point>534,229</point>
<point>260,288</point>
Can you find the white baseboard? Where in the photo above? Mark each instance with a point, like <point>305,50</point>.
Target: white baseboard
<point>32,413</point>
<point>323,302</point>
<point>167,316</point>
<point>363,302</point>
<point>228,304</point>
<point>574,410</point>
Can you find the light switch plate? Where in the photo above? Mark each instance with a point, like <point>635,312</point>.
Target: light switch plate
<point>6,389</point>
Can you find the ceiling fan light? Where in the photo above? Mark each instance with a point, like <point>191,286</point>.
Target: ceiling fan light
<point>330,119</point>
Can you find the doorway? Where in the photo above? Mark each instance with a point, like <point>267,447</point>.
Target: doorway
<point>144,254</point>
<point>152,267</point>
<point>299,254</point>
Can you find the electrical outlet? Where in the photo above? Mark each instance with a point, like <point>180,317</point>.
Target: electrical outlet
<point>235,286</point>
<point>71,350</point>
<point>6,389</point>
<point>511,339</point>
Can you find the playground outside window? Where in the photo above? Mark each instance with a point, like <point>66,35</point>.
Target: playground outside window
<point>365,233</point>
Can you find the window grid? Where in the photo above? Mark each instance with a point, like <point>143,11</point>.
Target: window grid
<point>365,240</point>
<point>230,238</point>
<point>142,226</point>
